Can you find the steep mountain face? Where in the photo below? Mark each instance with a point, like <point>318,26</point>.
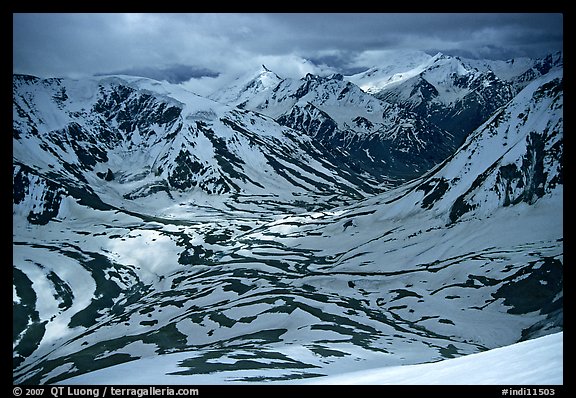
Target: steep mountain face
<point>244,88</point>
<point>380,138</point>
<point>448,93</point>
<point>453,93</point>
<point>530,166</point>
<point>156,228</point>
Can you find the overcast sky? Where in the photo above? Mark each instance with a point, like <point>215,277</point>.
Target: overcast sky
<point>210,48</point>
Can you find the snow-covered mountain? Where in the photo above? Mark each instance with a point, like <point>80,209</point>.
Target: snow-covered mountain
<point>454,93</point>
<point>155,229</point>
<point>133,139</point>
<point>379,137</point>
<point>244,88</point>
<point>445,90</point>
<point>520,71</point>
<point>400,67</point>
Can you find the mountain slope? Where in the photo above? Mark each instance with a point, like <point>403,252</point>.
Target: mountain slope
<point>539,361</point>
<point>380,138</point>
<point>454,93</point>
<point>446,91</point>
<point>120,139</point>
<point>521,71</point>
<point>246,87</point>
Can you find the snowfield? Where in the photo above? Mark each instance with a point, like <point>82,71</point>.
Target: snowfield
<point>535,362</point>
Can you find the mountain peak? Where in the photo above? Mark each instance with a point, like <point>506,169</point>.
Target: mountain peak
<point>265,77</point>
<point>247,85</point>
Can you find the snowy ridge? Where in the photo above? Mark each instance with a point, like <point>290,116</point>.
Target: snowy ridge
<point>439,67</point>
<point>377,79</point>
<point>248,86</point>
<point>379,137</point>
<point>122,263</point>
<point>529,165</point>
<point>520,71</point>
<point>450,94</point>
<point>454,93</point>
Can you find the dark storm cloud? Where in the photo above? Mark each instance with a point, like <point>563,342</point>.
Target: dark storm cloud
<point>201,46</point>
<point>371,31</point>
<point>494,36</point>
